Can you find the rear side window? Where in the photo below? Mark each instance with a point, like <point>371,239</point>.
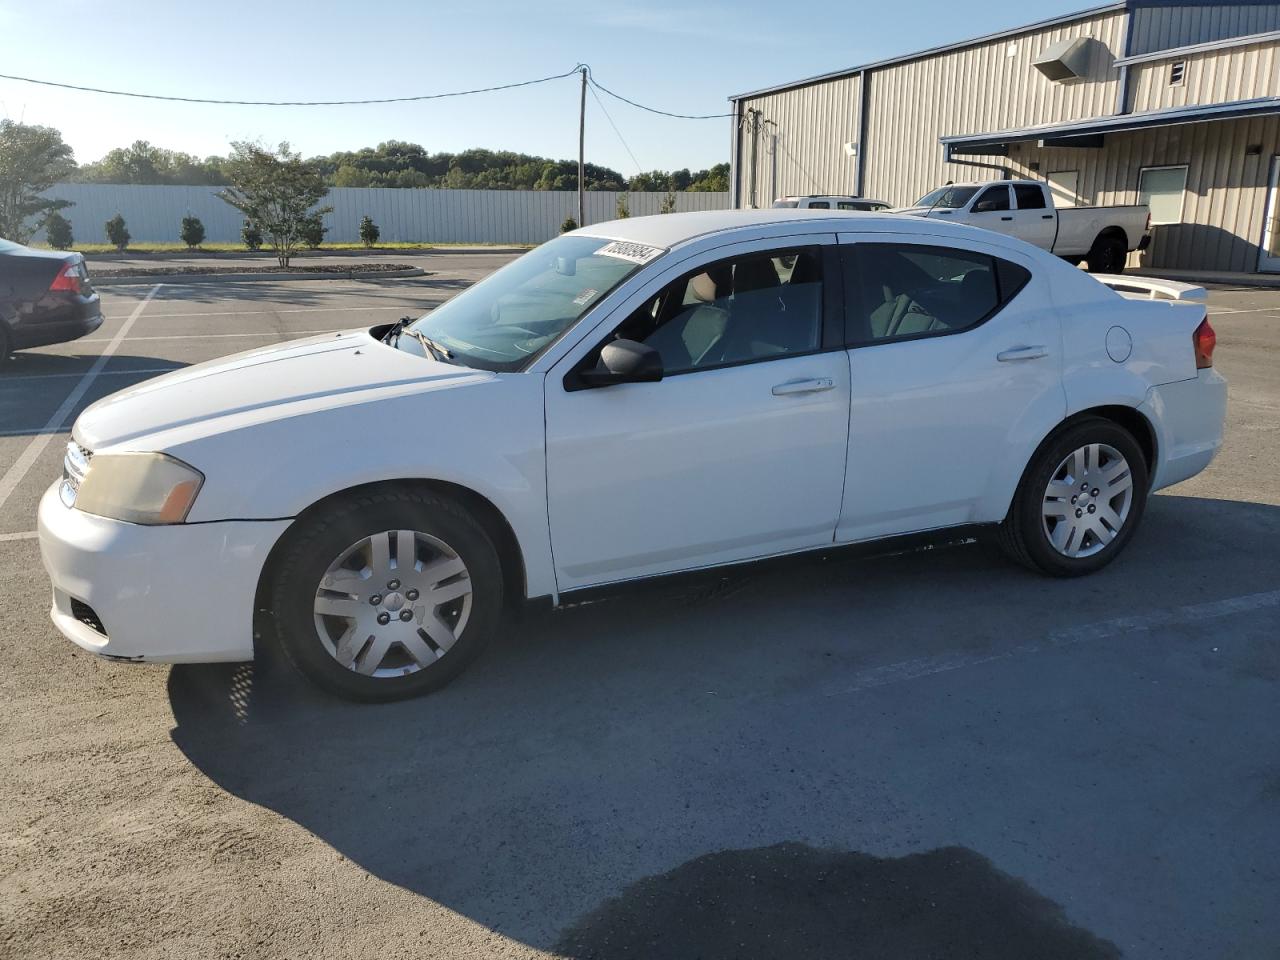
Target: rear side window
<point>1030,196</point>
<point>908,291</point>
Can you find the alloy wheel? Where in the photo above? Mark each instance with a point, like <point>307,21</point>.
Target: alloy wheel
<point>1087,500</point>
<point>393,603</point>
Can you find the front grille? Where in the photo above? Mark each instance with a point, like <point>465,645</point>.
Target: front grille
<point>87,615</point>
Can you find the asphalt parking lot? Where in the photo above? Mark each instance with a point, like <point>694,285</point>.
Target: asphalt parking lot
<point>927,755</point>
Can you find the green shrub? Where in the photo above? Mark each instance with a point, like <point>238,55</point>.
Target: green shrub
<point>668,204</point>
<point>569,224</point>
<point>623,209</point>
<point>369,231</point>
<point>192,232</point>
<point>313,230</point>
<point>58,229</point>
<point>118,233</point>
<point>251,236</point>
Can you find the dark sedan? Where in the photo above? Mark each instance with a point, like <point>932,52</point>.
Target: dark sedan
<point>45,297</point>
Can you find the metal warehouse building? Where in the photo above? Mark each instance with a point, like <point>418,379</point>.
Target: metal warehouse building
<point>1174,104</point>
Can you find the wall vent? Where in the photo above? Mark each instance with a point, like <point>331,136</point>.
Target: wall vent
<point>1177,73</point>
<point>1065,60</point>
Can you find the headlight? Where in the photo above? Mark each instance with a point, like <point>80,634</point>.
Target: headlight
<point>137,487</point>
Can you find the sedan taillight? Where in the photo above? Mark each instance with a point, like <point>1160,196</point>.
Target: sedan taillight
<point>69,279</point>
<point>1204,340</point>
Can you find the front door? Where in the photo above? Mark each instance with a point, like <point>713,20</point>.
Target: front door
<point>738,452</point>
<point>955,376</point>
<point>1269,258</point>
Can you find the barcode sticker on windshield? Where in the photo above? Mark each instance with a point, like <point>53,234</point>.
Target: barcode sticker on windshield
<point>635,252</point>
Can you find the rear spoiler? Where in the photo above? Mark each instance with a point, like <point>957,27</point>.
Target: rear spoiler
<point>1152,288</point>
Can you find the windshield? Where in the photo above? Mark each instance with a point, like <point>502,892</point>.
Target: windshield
<point>950,198</point>
<point>507,319</point>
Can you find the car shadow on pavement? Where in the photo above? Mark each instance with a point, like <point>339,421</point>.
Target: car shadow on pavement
<point>839,757</point>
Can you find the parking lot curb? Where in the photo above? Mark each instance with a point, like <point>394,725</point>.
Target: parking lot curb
<point>254,277</point>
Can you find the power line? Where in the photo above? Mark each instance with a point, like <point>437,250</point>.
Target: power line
<point>367,102</point>
<point>289,103</point>
<point>621,139</point>
<point>661,113</point>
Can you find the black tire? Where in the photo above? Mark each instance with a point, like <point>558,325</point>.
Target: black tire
<point>6,344</point>
<point>1023,537</point>
<point>323,537</point>
<point>1108,255</point>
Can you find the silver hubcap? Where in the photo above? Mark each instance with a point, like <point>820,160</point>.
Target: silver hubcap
<point>393,603</point>
<point>1087,501</point>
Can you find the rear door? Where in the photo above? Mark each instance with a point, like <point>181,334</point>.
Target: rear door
<point>1033,219</point>
<point>955,376</point>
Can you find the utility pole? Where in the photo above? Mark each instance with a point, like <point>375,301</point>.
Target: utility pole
<point>582,150</point>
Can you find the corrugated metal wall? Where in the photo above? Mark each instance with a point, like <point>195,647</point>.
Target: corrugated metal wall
<point>1159,28</point>
<point>799,146</point>
<point>1226,186</point>
<point>990,86</point>
<point>154,213</point>
<point>1239,73</point>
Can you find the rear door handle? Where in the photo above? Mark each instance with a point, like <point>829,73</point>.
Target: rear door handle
<point>1046,216</point>
<point>1006,218</point>
<point>1022,353</point>
<point>803,386</point>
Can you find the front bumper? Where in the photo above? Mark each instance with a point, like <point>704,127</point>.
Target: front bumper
<point>167,594</point>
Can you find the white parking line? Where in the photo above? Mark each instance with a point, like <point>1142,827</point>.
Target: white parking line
<point>252,313</point>
<point>25,535</point>
<point>13,476</point>
<point>288,335</point>
<point>1105,629</point>
<point>104,373</point>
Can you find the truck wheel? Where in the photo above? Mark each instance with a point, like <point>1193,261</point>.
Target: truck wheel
<point>1079,502</point>
<point>386,595</point>
<point>1107,256</point>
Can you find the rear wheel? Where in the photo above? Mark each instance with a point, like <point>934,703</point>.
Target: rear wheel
<point>1079,502</point>
<point>387,595</point>
<point>1107,256</point>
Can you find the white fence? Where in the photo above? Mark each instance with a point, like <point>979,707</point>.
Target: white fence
<point>154,213</point>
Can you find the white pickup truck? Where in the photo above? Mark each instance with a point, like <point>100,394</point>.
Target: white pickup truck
<point>1100,236</point>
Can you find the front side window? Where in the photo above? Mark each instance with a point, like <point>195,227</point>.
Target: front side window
<point>1029,195</point>
<point>906,291</point>
<point>819,205</point>
<point>994,198</point>
<point>755,307</point>
<point>947,198</point>
<point>1162,189</point>
<point>504,321</point>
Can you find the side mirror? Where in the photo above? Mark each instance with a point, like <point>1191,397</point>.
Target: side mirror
<point>624,361</point>
<point>984,206</point>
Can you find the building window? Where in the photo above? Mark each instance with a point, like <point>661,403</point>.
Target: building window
<point>1177,73</point>
<point>1162,189</point>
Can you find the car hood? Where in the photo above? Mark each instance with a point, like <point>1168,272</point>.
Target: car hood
<point>293,378</point>
<point>913,211</point>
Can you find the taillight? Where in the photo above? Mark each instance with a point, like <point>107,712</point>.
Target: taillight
<point>68,279</point>
<point>1204,340</point>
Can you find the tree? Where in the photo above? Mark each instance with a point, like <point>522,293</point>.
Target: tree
<point>142,162</point>
<point>623,209</point>
<point>313,231</point>
<point>714,180</point>
<point>118,233</point>
<point>32,159</point>
<point>57,229</point>
<point>192,232</point>
<point>251,236</point>
<point>277,191</point>
<point>369,231</point>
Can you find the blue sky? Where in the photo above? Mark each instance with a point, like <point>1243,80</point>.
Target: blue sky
<point>685,58</point>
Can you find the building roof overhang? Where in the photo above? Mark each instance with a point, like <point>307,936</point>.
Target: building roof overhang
<point>1089,133</point>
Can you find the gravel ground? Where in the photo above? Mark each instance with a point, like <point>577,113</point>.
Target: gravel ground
<point>934,754</point>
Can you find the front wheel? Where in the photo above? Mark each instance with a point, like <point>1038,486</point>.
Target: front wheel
<point>1079,502</point>
<point>386,595</point>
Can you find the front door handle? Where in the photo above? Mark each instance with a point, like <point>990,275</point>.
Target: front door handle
<point>803,386</point>
<point>1022,353</point>
<point>1006,218</point>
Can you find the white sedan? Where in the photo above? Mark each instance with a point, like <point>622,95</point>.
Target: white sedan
<point>630,400</point>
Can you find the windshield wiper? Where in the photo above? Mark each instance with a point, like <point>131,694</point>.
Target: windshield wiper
<point>436,351</point>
